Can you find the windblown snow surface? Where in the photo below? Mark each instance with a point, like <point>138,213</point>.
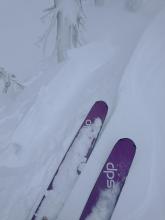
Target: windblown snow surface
<point>122,64</point>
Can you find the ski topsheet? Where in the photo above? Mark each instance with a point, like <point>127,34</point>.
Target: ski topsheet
<point>107,189</point>
<point>72,164</point>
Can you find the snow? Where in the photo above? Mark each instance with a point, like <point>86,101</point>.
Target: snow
<point>122,64</point>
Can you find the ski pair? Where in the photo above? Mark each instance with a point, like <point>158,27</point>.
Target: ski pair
<point>72,164</point>
<point>107,189</point>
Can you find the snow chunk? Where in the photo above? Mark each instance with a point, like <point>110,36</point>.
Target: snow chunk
<point>106,204</point>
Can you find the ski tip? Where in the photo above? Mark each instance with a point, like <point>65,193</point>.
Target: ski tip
<point>128,140</point>
<point>127,143</point>
<point>102,103</point>
<point>101,109</point>
<point>98,110</point>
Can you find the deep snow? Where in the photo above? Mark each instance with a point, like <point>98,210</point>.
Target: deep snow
<point>38,125</point>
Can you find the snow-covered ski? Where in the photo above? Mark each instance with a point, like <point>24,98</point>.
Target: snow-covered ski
<point>72,164</point>
<point>107,189</point>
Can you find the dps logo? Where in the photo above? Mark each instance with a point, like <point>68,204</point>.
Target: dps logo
<point>110,174</point>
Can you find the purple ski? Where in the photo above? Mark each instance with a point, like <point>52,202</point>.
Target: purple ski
<point>107,189</point>
<point>73,162</point>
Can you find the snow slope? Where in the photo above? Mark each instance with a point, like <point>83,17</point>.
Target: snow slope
<point>47,118</point>
<point>145,75</point>
<point>138,115</point>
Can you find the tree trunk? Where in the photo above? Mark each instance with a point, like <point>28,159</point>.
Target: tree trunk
<point>75,36</point>
<point>60,37</point>
<point>134,5</point>
<point>68,34</point>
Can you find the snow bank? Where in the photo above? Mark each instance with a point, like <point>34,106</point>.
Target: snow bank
<point>138,115</point>
<point>141,108</point>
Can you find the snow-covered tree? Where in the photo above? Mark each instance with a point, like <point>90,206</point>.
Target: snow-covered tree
<point>133,5</point>
<point>66,17</point>
<point>8,80</point>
